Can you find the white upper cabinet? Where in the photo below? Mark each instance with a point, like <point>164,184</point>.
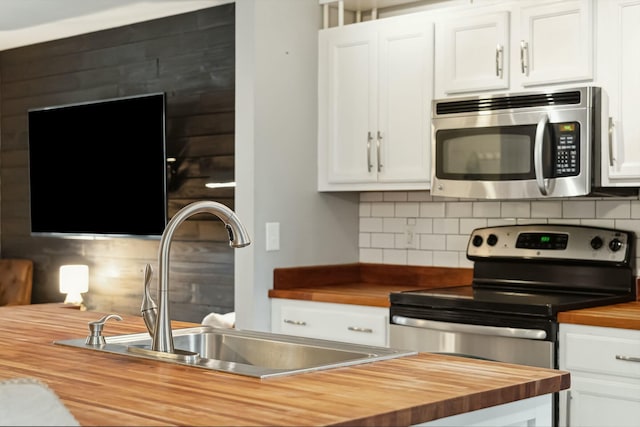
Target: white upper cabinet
<point>618,67</point>
<point>375,91</point>
<point>555,43</point>
<point>472,52</point>
<point>514,46</point>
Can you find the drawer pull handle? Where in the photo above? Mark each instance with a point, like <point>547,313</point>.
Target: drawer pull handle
<point>358,329</point>
<point>628,358</point>
<point>296,322</point>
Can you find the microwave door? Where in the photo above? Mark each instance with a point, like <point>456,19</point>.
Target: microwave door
<point>510,156</point>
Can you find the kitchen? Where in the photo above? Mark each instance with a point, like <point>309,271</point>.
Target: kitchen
<point>347,227</point>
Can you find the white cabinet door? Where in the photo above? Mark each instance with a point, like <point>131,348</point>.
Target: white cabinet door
<point>619,71</point>
<point>347,107</point>
<point>375,91</point>
<point>338,322</point>
<point>405,91</point>
<point>514,46</point>
<point>555,43</point>
<point>605,376</point>
<point>471,53</point>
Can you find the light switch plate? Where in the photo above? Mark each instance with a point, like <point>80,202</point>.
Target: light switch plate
<point>273,236</point>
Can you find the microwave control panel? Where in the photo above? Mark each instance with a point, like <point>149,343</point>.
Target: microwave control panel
<point>566,148</point>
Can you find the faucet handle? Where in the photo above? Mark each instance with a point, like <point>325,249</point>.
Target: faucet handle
<point>149,309</point>
<point>95,330</point>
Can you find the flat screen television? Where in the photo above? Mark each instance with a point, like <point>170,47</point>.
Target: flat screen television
<point>98,169</point>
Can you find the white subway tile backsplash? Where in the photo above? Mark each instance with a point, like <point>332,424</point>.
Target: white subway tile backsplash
<point>515,210</point>
<point>457,242</point>
<point>383,240</point>
<point>446,258</point>
<point>613,209</point>
<point>446,225</point>
<point>579,209</point>
<point>365,209</point>
<point>467,225</point>
<point>408,209</point>
<point>373,196</point>
<point>432,209</point>
<point>394,196</point>
<point>419,196</point>
<point>442,226</point>
<point>373,256</point>
<point>364,240</point>
<point>383,209</point>
<point>423,258</point>
<point>395,256</point>
<point>371,225</point>
<point>394,225</point>
<point>458,209</point>
<point>546,209</point>
<point>433,242</point>
<point>486,209</point>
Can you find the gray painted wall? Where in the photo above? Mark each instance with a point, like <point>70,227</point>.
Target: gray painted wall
<point>276,166</point>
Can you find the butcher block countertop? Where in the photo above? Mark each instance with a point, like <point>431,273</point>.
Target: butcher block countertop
<point>625,315</point>
<point>361,283</point>
<point>109,389</point>
<point>371,284</point>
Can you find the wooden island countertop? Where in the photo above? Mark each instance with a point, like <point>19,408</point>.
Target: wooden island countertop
<point>109,389</point>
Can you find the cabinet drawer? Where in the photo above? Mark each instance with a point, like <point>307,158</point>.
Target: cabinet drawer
<point>602,350</point>
<point>339,322</point>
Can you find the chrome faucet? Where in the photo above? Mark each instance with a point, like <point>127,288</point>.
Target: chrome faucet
<point>162,336</point>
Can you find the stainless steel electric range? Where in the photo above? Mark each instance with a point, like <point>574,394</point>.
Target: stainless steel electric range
<point>523,275</point>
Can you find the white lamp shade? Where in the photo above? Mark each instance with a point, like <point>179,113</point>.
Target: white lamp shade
<point>74,279</point>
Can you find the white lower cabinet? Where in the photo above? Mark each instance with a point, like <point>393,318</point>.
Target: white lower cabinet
<point>618,70</point>
<point>338,322</point>
<point>605,376</point>
<point>532,412</point>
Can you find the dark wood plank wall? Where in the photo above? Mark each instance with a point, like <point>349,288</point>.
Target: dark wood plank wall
<point>190,57</point>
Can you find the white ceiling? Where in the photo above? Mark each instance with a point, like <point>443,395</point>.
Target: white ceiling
<point>24,22</point>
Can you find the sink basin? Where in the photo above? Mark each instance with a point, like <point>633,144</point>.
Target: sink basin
<point>256,354</point>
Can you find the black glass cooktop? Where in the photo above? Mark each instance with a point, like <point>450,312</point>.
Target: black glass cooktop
<point>485,299</point>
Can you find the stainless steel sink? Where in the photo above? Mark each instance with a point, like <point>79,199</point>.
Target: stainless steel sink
<point>256,354</point>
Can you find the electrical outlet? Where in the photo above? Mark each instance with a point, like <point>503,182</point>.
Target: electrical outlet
<point>410,235</point>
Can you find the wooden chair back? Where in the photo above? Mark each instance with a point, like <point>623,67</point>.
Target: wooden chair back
<point>16,280</point>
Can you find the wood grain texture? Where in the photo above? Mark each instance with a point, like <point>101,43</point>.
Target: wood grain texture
<point>625,315</point>
<point>108,389</point>
<point>190,57</point>
<point>361,283</point>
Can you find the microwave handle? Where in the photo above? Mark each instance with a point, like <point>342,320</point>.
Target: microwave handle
<point>537,154</point>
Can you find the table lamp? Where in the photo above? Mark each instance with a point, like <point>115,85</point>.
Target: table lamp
<point>74,280</point>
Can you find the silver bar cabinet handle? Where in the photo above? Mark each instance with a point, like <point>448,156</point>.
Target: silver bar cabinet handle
<point>524,54</point>
<point>359,329</point>
<point>611,128</point>
<point>499,60</point>
<point>378,144</point>
<point>369,139</point>
<point>628,358</point>
<point>295,322</point>
<point>499,331</point>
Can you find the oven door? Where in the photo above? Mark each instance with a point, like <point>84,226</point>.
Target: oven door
<point>503,344</point>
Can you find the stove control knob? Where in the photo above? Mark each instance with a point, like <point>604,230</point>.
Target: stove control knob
<point>477,241</point>
<point>615,245</point>
<point>492,240</point>
<point>596,242</point>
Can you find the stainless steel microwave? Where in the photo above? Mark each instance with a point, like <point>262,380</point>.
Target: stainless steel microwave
<point>519,146</point>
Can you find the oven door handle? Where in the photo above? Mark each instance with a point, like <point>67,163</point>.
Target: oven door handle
<point>538,154</point>
<point>500,331</point>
